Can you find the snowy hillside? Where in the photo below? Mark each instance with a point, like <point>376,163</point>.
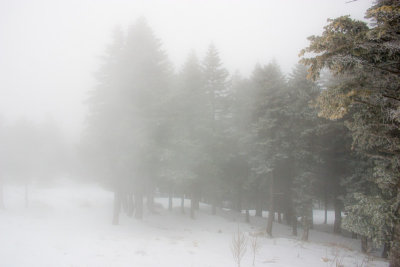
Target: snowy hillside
<point>70,225</point>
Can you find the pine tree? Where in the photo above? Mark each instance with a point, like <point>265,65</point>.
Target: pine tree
<point>236,166</point>
<point>366,60</point>
<point>304,154</point>
<point>269,135</point>
<point>128,125</point>
<point>215,86</point>
<point>189,130</point>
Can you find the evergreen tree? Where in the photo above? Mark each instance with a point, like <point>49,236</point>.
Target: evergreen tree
<point>269,130</point>
<point>189,131</point>
<point>128,123</point>
<point>304,154</point>
<point>236,166</point>
<point>367,61</point>
<point>215,86</point>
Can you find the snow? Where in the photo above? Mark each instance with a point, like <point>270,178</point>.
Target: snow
<point>70,225</point>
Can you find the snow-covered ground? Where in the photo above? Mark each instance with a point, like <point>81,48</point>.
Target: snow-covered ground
<point>70,225</point>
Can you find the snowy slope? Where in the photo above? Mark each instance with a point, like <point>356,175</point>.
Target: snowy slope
<point>70,225</point>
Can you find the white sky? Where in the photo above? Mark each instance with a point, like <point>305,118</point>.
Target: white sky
<point>50,49</point>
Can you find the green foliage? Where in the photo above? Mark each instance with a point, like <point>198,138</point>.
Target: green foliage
<point>128,123</point>
<point>366,60</point>
<point>219,138</point>
<point>370,216</point>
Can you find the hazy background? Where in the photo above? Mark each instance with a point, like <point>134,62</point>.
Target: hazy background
<point>50,49</point>
<point>164,149</point>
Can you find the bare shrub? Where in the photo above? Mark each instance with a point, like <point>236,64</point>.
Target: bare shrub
<point>255,246</point>
<point>338,259</point>
<point>362,263</point>
<point>238,246</point>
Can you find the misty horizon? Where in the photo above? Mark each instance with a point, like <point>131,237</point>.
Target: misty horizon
<point>52,76</point>
<point>200,133</point>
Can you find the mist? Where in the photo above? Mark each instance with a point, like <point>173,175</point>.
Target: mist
<point>50,49</point>
<point>198,133</point>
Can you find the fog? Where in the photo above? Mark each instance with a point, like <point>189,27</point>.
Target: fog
<point>50,49</point>
<point>187,133</point>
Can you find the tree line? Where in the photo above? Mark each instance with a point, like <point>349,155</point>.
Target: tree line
<point>32,153</point>
<point>254,142</point>
<point>264,142</point>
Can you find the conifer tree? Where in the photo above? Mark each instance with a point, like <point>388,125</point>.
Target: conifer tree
<point>367,61</point>
<point>304,154</point>
<point>269,130</point>
<point>237,122</point>
<point>190,133</point>
<point>215,86</point>
<point>127,124</point>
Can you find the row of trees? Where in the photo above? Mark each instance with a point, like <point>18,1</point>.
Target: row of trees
<point>32,152</point>
<point>257,142</point>
<point>366,95</point>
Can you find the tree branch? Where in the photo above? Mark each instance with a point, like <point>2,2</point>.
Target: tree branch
<point>391,97</point>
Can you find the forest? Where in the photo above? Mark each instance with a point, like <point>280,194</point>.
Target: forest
<point>326,136</point>
<point>265,142</point>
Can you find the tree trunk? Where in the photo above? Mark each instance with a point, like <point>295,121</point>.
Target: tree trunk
<point>325,206</point>
<point>364,244</point>
<point>386,249</point>
<point>288,215</point>
<point>138,205</point>
<point>306,227</point>
<point>337,226</point>
<point>238,205</point>
<point>279,217</point>
<point>312,217</point>
<point>192,207</point>
<point>294,225</point>
<point>247,216</point>
<point>394,254</point>
<point>270,222</point>
<point>117,207</point>
<point>271,208</point>
<point>258,207</point>
<point>183,204</point>
<point>306,230</point>
<point>353,235</point>
<point>307,222</point>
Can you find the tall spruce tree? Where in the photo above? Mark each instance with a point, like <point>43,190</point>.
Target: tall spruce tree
<point>127,125</point>
<point>215,86</point>
<point>269,129</point>
<point>190,132</point>
<point>237,122</point>
<point>304,154</point>
<point>367,61</point>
